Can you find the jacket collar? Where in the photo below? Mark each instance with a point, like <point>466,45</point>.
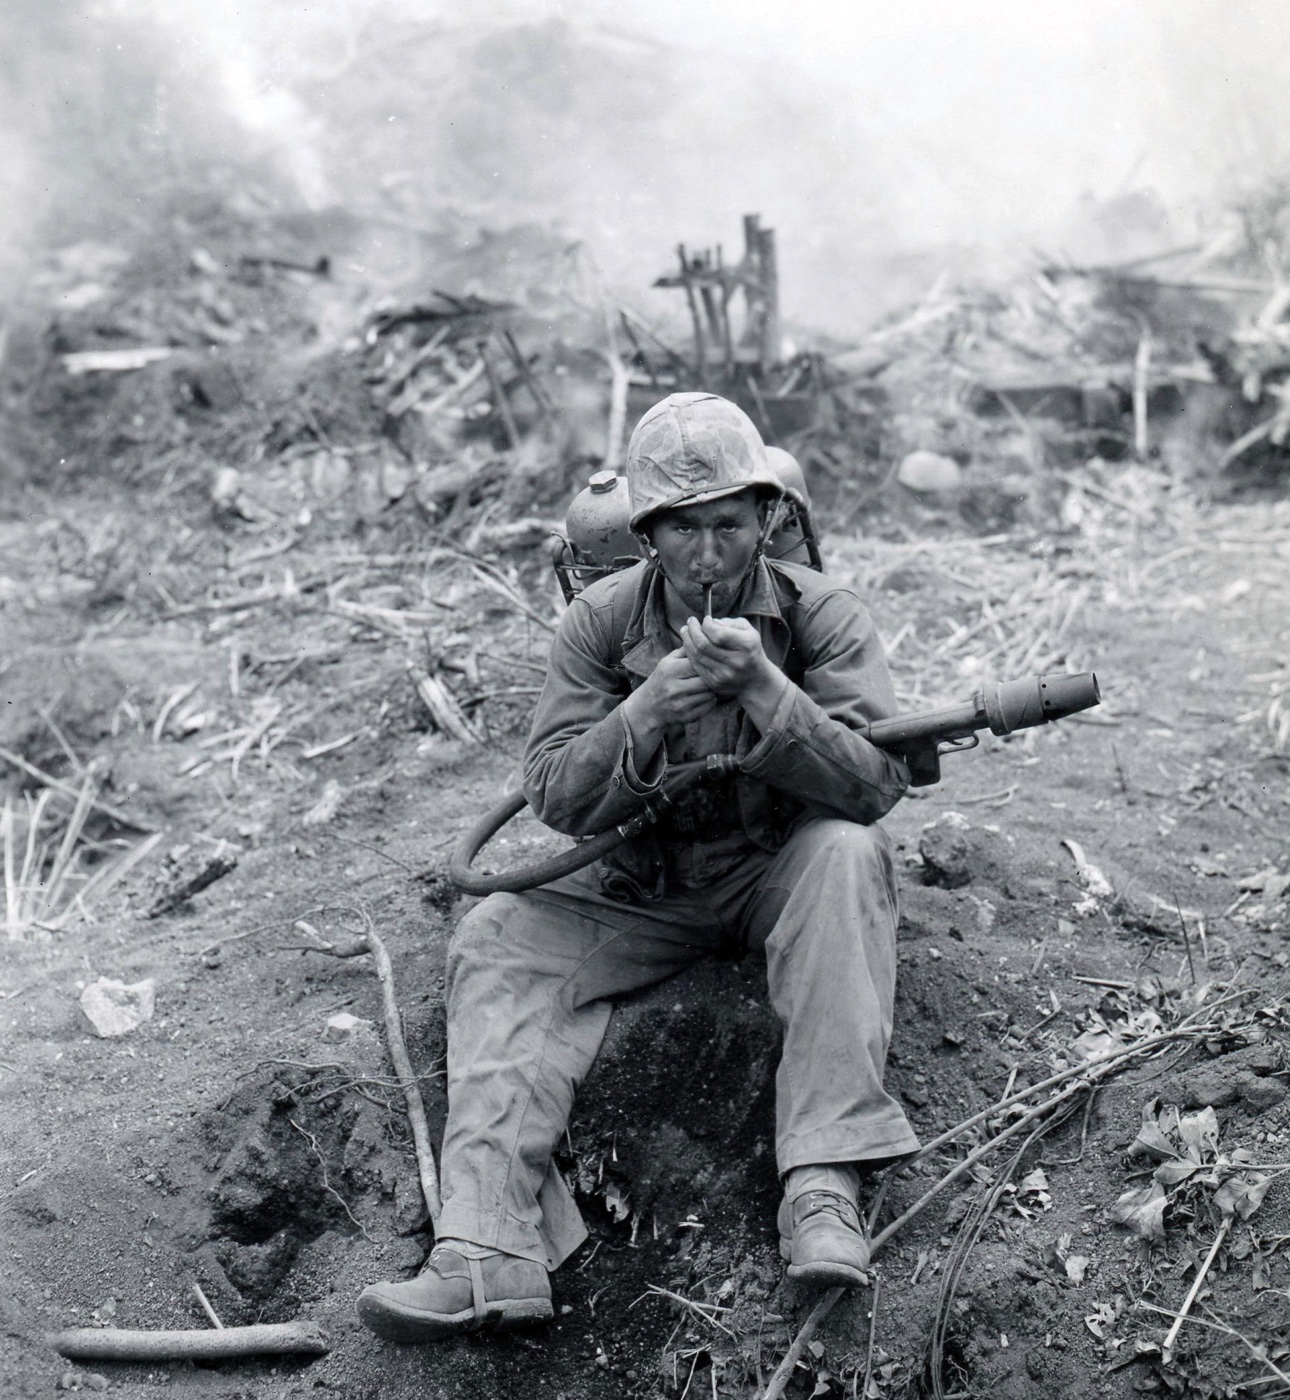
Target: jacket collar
<point>647,639</point>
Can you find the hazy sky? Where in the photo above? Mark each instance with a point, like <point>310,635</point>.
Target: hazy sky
<point>985,117</point>
<point>862,130</point>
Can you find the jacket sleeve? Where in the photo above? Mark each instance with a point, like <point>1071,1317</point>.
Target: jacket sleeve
<point>579,770</point>
<point>812,748</point>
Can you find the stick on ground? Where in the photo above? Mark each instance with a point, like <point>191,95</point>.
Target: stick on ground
<point>784,1371</point>
<point>199,1344</point>
<point>407,1079</point>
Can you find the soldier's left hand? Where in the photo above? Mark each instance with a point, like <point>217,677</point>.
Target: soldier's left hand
<point>727,653</point>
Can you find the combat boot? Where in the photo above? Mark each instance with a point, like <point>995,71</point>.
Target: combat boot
<point>454,1294</point>
<point>821,1237</point>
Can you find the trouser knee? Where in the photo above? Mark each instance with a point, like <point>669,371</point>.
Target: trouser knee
<point>480,940</point>
<point>867,848</point>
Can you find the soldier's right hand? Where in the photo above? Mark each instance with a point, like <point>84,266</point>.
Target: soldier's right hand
<point>673,694</point>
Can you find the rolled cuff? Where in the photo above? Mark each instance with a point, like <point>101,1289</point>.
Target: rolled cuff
<point>888,1134</point>
<point>648,783</point>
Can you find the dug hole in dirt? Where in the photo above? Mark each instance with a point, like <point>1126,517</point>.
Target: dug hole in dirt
<point>220,695</point>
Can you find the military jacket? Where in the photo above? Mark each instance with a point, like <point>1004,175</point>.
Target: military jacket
<point>580,772</point>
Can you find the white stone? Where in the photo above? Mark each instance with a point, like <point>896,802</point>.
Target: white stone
<point>930,472</point>
<point>343,1027</point>
<point>113,1008</point>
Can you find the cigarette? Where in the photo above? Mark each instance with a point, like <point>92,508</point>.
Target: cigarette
<point>707,599</point>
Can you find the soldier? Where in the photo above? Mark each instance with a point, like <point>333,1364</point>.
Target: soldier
<point>785,857</point>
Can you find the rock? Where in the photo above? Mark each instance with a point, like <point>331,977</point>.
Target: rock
<point>342,1028</point>
<point>113,1008</point>
<point>943,846</point>
<point>1209,1088</point>
<point>395,479</point>
<point>328,804</point>
<point>226,487</point>
<point>82,1380</point>
<point>930,473</point>
<point>1257,1094</point>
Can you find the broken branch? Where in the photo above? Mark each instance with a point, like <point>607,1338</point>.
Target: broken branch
<point>124,1344</point>
<point>426,1171</point>
<point>444,709</point>
<point>784,1371</point>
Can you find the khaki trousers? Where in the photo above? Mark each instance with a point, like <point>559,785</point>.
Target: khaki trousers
<point>529,981</point>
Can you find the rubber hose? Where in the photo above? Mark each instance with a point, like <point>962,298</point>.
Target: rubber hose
<point>528,876</point>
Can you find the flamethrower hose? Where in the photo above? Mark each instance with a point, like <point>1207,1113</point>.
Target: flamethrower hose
<point>678,782</point>
<point>529,876</point>
<point>1001,708</point>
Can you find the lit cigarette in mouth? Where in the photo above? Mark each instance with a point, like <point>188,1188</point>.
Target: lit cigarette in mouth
<point>707,599</point>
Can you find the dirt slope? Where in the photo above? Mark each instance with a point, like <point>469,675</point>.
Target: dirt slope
<point>227,1141</point>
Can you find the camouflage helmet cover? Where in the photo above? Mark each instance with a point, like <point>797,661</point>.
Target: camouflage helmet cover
<point>691,448</point>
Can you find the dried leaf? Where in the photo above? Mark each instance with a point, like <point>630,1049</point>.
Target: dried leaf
<point>1097,1322</point>
<point>1142,1211</point>
<point>1092,1043</point>
<point>1152,1142</point>
<point>1199,1134</point>
<point>1171,1173</point>
<point>1241,1195</point>
<point>616,1202</point>
<point>1037,1180</point>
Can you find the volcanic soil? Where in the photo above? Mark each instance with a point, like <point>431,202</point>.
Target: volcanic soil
<point>243,1140</point>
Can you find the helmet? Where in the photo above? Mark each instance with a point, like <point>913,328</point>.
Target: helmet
<point>692,448</point>
<point>789,470</point>
<point>793,538</point>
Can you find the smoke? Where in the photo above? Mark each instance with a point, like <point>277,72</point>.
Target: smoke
<point>884,143</point>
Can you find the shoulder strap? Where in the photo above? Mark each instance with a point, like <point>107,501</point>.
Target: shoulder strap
<point>620,618</point>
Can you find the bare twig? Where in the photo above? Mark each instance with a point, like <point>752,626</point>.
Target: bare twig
<point>375,850</point>
<point>429,1177</point>
<point>175,699</point>
<point>784,1371</point>
<point>704,1312</point>
<point>1182,924</point>
<point>112,813</point>
<point>210,1312</point>
<point>873,1330</point>
<point>1172,1335</point>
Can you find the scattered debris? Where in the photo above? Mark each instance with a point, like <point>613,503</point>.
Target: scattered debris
<point>327,806</point>
<point>182,882</point>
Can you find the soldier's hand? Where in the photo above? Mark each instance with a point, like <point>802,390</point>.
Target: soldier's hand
<point>674,693</point>
<point>727,654</point>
